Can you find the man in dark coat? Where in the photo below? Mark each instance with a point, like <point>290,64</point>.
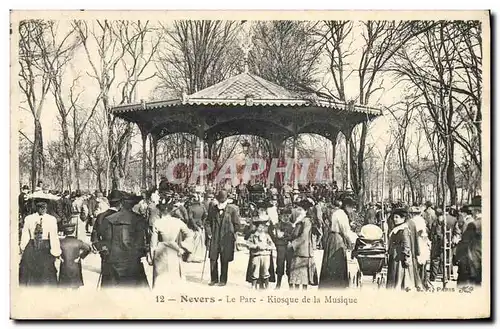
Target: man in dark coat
<point>92,205</point>
<point>114,206</point>
<point>222,224</point>
<point>23,206</point>
<point>414,248</point>
<point>123,245</point>
<point>437,237</point>
<point>429,215</point>
<point>370,215</point>
<point>120,261</point>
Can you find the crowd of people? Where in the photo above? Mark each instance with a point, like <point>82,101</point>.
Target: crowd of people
<point>282,229</point>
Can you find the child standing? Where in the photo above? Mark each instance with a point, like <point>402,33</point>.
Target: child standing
<point>281,234</point>
<point>261,247</point>
<point>73,251</point>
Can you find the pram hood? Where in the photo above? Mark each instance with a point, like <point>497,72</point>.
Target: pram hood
<point>371,232</point>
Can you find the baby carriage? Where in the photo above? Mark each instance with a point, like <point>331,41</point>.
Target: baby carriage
<point>371,254</point>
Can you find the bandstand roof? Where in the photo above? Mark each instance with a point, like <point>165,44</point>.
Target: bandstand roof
<point>236,105</point>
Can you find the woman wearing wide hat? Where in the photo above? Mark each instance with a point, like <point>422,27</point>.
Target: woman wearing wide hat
<point>303,268</point>
<point>400,267</point>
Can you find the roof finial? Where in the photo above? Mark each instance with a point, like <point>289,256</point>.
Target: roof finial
<point>246,50</point>
<point>246,46</point>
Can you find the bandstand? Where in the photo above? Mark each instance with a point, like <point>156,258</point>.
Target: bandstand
<point>244,104</point>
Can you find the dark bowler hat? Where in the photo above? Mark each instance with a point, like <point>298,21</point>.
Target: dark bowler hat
<point>305,203</point>
<point>263,204</point>
<point>115,195</point>
<point>221,195</point>
<point>69,229</point>
<point>348,202</point>
<point>41,204</point>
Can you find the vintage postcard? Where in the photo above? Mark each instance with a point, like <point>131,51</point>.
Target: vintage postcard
<point>250,165</point>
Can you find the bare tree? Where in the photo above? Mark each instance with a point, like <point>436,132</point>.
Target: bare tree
<point>286,53</point>
<point>403,138</point>
<point>432,66</point>
<point>42,53</point>
<point>132,44</point>
<point>197,54</point>
<point>381,40</point>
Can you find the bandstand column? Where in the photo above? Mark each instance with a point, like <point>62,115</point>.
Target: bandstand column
<point>333,139</point>
<point>278,147</point>
<point>155,168</point>
<point>210,145</point>
<point>144,136</point>
<point>201,138</point>
<point>347,134</point>
<point>295,173</point>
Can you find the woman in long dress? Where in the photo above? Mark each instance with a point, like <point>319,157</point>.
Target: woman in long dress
<point>40,247</point>
<point>168,243</point>
<point>400,267</point>
<point>302,267</point>
<point>334,271</point>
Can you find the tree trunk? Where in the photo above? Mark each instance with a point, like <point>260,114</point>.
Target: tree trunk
<point>99,181</point>
<point>360,164</point>
<point>76,165</point>
<point>37,155</point>
<point>450,173</point>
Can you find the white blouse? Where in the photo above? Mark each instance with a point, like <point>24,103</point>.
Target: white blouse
<point>340,224</point>
<point>49,227</point>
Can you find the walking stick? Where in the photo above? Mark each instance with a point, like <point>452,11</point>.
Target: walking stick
<point>205,260</point>
<point>99,281</point>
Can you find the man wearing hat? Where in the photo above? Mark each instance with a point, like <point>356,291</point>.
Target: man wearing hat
<point>23,201</point>
<point>469,249</point>
<point>370,215</point>
<point>414,216</point>
<point>114,199</point>
<point>122,245</point>
<point>437,236</point>
<point>23,206</point>
<point>96,238</point>
<point>429,215</point>
<point>73,250</point>
<point>223,221</point>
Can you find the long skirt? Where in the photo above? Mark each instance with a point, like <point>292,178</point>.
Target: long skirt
<point>198,249</point>
<point>334,272</point>
<point>37,265</point>
<point>303,271</point>
<point>399,277</point>
<point>167,267</point>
